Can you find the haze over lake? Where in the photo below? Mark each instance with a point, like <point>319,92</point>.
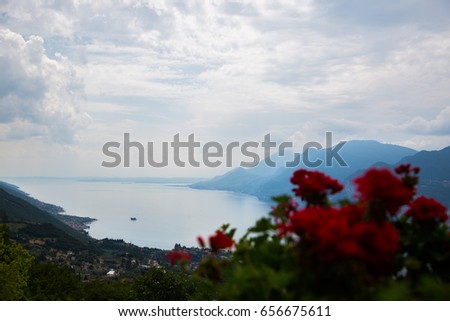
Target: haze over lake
<point>166,213</point>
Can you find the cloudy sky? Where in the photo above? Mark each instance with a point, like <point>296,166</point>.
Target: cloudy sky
<point>76,74</point>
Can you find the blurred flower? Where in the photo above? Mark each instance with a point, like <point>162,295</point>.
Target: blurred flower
<point>334,235</point>
<point>314,186</point>
<point>178,256</point>
<point>220,241</point>
<point>384,190</point>
<point>424,209</point>
<point>407,169</point>
<point>201,241</point>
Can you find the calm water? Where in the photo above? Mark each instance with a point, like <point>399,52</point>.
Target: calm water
<point>166,214</point>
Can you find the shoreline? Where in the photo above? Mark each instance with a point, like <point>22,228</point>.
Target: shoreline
<point>78,223</point>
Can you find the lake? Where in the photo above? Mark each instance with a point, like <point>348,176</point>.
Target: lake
<point>165,213</point>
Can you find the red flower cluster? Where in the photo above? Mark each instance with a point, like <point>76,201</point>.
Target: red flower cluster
<point>406,169</point>
<point>339,234</point>
<point>307,222</point>
<point>314,186</point>
<point>350,249</point>
<point>178,256</point>
<point>218,241</point>
<point>425,209</point>
<point>358,232</point>
<point>384,190</point>
<point>409,175</point>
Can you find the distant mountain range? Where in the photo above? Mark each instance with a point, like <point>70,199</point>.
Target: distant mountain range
<point>264,182</point>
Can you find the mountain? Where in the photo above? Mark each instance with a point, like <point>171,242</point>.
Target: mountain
<point>238,180</point>
<point>264,182</point>
<point>434,165</point>
<point>434,176</point>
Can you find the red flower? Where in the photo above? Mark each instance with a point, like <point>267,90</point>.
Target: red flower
<point>314,186</point>
<point>178,256</point>
<point>220,241</point>
<point>201,241</point>
<point>425,209</point>
<point>353,212</point>
<point>409,175</point>
<point>307,221</point>
<point>335,235</point>
<point>406,169</point>
<point>380,243</point>
<point>349,248</point>
<point>382,188</point>
<point>403,169</point>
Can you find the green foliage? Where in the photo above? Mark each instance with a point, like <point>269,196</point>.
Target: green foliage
<point>16,209</point>
<point>109,290</point>
<point>52,282</point>
<point>15,263</point>
<point>428,249</point>
<point>55,237</point>
<point>163,285</point>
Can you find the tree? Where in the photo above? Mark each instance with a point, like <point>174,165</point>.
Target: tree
<point>49,281</point>
<point>162,285</point>
<point>15,263</point>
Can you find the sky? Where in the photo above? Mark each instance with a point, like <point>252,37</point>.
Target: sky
<point>77,74</point>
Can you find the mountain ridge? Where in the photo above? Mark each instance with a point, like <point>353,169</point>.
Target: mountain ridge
<point>358,154</point>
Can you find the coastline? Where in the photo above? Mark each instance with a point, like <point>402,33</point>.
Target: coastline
<point>78,223</point>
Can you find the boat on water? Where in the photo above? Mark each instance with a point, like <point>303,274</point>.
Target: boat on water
<point>133,219</point>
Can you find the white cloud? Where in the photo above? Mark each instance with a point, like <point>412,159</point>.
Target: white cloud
<point>440,125</point>
<point>35,17</point>
<point>424,142</point>
<point>226,70</point>
<point>38,95</point>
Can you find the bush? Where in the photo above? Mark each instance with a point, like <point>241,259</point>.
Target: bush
<point>15,263</point>
<point>386,244</point>
<point>163,285</point>
<point>52,282</point>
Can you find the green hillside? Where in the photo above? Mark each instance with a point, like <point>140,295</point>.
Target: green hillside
<point>16,210</point>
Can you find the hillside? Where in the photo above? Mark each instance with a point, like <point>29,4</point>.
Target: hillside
<point>434,165</point>
<point>78,223</point>
<point>14,209</point>
<point>15,190</point>
<point>434,175</point>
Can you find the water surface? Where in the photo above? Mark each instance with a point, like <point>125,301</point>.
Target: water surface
<point>166,213</point>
